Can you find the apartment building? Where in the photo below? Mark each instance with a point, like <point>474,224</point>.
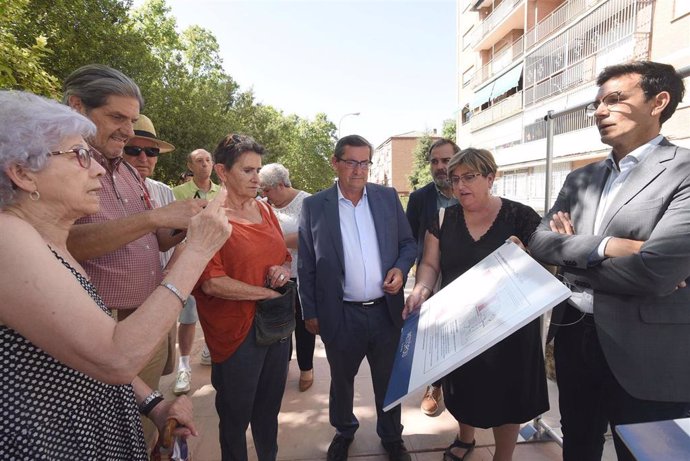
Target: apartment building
<point>393,160</point>
<point>520,59</point>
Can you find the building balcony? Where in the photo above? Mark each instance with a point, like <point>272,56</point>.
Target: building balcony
<point>552,23</point>
<point>508,15</point>
<point>614,32</point>
<point>510,106</point>
<point>502,60</point>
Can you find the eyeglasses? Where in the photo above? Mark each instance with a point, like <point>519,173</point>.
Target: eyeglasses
<point>464,179</point>
<point>609,101</point>
<point>83,155</point>
<point>135,151</point>
<point>352,164</point>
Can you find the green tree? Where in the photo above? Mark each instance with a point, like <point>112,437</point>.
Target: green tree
<point>420,175</point>
<point>22,62</point>
<point>449,130</point>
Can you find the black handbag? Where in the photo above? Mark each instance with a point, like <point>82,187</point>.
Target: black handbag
<point>275,318</point>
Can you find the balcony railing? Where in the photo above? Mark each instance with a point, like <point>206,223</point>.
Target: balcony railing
<point>555,20</point>
<point>502,60</point>
<point>494,18</point>
<point>564,124</point>
<point>617,31</point>
<point>509,106</point>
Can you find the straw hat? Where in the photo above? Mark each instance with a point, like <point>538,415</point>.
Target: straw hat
<point>143,129</point>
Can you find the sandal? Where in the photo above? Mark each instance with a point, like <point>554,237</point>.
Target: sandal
<point>457,443</point>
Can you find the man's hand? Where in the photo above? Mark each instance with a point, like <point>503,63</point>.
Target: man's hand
<point>561,223</point>
<point>181,409</point>
<point>393,281</point>
<point>312,326</point>
<point>177,214</point>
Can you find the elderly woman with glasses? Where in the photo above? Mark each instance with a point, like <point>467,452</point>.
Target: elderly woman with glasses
<point>287,205</point>
<point>505,385</point>
<point>69,380</point>
<point>249,378</point>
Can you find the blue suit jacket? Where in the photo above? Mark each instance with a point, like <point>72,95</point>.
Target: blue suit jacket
<point>321,260</point>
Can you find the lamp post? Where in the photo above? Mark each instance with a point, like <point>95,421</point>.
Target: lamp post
<point>341,120</point>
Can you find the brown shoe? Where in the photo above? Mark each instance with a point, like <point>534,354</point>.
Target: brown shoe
<point>432,397</point>
<point>306,379</point>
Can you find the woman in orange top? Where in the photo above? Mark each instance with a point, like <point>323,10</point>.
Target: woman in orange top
<point>249,379</point>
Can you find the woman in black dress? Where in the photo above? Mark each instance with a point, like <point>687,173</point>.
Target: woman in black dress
<point>505,385</point>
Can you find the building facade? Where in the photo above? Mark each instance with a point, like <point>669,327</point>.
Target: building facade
<point>520,59</point>
<point>393,160</point>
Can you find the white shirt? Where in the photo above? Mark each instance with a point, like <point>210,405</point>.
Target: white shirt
<point>363,277</point>
<point>161,195</point>
<point>584,300</point>
<point>288,217</point>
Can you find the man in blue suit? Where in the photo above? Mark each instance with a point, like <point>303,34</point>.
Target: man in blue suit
<point>355,250</point>
<point>421,209</point>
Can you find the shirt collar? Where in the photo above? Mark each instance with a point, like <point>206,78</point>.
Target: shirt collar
<point>342,197</point>
<point>636,156</point>
<point>110,165</point>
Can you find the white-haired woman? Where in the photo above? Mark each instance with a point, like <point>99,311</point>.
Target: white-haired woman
<point>287,205</point>
<point>69,382</point>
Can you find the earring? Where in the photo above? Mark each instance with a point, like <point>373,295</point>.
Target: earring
<point>34,195</point>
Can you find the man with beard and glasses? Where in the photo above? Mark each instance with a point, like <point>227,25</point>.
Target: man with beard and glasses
<point>421,209</point>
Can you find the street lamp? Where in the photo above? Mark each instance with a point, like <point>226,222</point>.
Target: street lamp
<point>341,120</point>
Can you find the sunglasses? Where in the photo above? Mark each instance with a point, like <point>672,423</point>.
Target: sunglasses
<point>135,151</point>
<point>83,155</point>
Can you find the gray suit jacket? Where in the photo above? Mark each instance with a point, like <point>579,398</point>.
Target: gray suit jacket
<point>320,264</point>
<point>642,321</point>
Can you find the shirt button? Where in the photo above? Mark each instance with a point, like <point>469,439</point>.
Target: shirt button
<point>126,201</point>
<point>153,273</point>
<point>148,247</point>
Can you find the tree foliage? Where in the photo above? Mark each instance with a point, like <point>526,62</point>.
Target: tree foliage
<point>449,130</point>
<point>191,99</point>
<point>420,175</point>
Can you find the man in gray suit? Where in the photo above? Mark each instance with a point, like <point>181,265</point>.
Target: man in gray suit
<point>355,250</point>
<point>620,230</point>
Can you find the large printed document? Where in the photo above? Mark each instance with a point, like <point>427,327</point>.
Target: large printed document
<point>502,293</point>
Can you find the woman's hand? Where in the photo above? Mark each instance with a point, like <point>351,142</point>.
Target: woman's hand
<point>413,302</point>
<point>517,242</point>
<point>277,276</point>
<point>181,409</point>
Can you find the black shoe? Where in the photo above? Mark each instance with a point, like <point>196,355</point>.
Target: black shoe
<point>337,451</point>
<point>396,451</point>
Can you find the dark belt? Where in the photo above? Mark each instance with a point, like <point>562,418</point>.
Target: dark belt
<point>365,304</point>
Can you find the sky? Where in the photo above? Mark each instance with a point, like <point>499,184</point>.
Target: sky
<point>393,61</point>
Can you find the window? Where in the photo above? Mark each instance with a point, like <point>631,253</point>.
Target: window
<point>467,38</point>
<point>467,76</point>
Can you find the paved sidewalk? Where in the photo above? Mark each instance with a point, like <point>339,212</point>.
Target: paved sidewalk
<point>304,431</point>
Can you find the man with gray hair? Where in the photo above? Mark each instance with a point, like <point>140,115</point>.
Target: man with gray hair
<point>119,246</point>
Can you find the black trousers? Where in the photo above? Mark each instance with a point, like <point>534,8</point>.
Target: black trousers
<point>366,332</point>
<point>304,340</point>
<point>590,397</point>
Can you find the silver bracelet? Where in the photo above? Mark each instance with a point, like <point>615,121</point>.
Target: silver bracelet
<point>174,291</point>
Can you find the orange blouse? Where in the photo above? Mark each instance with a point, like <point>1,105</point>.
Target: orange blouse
<point>246,256</point>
